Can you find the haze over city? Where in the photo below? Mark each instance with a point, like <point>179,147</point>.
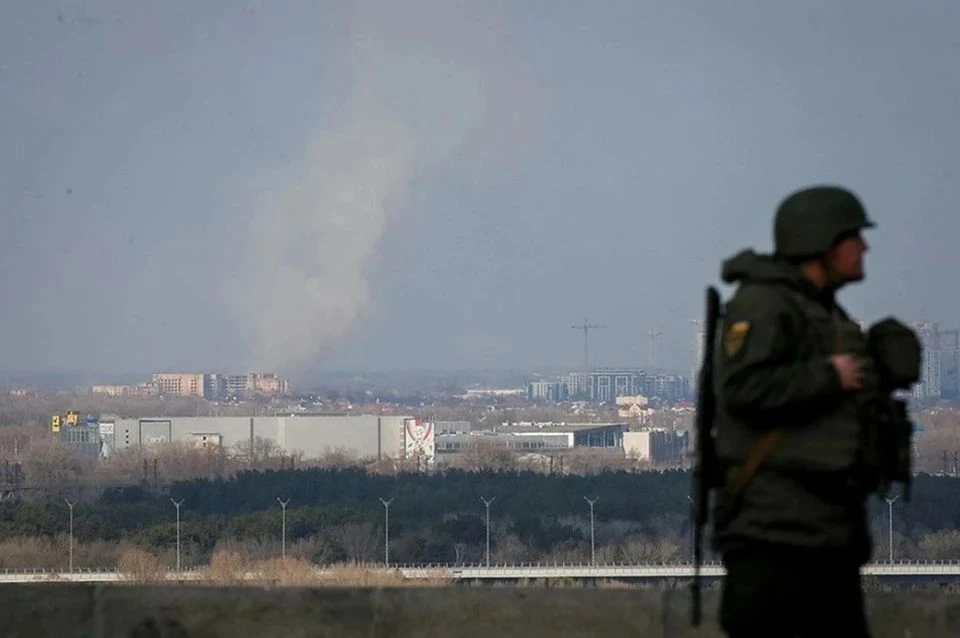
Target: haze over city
<point>306,187</point>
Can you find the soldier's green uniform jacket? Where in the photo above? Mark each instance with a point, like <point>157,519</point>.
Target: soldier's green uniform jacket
<point>772,371</point>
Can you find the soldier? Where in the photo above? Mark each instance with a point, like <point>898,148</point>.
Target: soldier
<point>790,373</point>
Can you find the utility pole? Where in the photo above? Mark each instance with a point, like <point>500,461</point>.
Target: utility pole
<point>283,528</point>
<point>890,502</point>
<point>487,504</point>
<point>70,505</point>
<point>386,531</point>
<point>593,554</point>
<point>177,505</point>
<point>652,335</point>
<point>586,327</point>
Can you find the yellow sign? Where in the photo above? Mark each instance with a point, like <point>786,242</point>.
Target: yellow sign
<point>735,338</point>
<point>55,422</point>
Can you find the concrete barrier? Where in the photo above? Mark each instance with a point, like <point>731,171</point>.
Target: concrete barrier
<point>96,611</point>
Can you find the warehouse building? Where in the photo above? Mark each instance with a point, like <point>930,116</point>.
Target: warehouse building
<point>371,437</point>
<point>532,437</point>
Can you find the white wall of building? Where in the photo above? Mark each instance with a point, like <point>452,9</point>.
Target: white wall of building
<point>314,436</point>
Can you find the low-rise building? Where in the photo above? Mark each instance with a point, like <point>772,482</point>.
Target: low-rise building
<point>536,437</point>
<point>657,445</point>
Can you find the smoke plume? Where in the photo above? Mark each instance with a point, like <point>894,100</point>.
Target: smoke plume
<point>427,79</point>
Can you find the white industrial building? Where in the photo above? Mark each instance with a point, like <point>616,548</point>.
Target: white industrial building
<point>375,437</point>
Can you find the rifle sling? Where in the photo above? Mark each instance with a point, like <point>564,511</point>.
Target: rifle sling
<point>740,476</point>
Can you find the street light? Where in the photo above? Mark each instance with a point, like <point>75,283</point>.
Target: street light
<point>890,502</point>
<point>283,528</point>
<point>487,504</point>
<point>386,530</point>
<point>70,505</point>
<point>177,504</point>
<point>593,555</point>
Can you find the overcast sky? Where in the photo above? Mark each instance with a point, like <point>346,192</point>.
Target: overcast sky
<point>305,186</point>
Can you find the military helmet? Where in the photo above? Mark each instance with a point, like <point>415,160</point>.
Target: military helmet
<point>810,220</point>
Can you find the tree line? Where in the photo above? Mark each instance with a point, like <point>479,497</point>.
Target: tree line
<point>336,514</point>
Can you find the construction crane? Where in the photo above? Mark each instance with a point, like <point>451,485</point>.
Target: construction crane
<point>586,327</point>
<point>652,335</point>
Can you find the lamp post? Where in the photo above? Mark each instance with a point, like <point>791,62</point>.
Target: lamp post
<point>593,554</point>
<point>177,504</point>
<point>283,527</point>
<point>890,502</point>
<point>386,530</point>
<point>487,504</point>
<point>70,505</point>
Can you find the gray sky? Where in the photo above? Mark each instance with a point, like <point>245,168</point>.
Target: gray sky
<point>302,186</point>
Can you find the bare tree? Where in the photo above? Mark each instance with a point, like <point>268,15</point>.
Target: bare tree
<point>360,542</point>
<point>942,545</point>
<point>49,463</point>
<point>640,550</point>
<point>140,566</point>
<point>162,463</point>
<point>510,549</point>
<point>486,455</point>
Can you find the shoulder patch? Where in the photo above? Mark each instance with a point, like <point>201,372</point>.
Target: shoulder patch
<point>735,337</point>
